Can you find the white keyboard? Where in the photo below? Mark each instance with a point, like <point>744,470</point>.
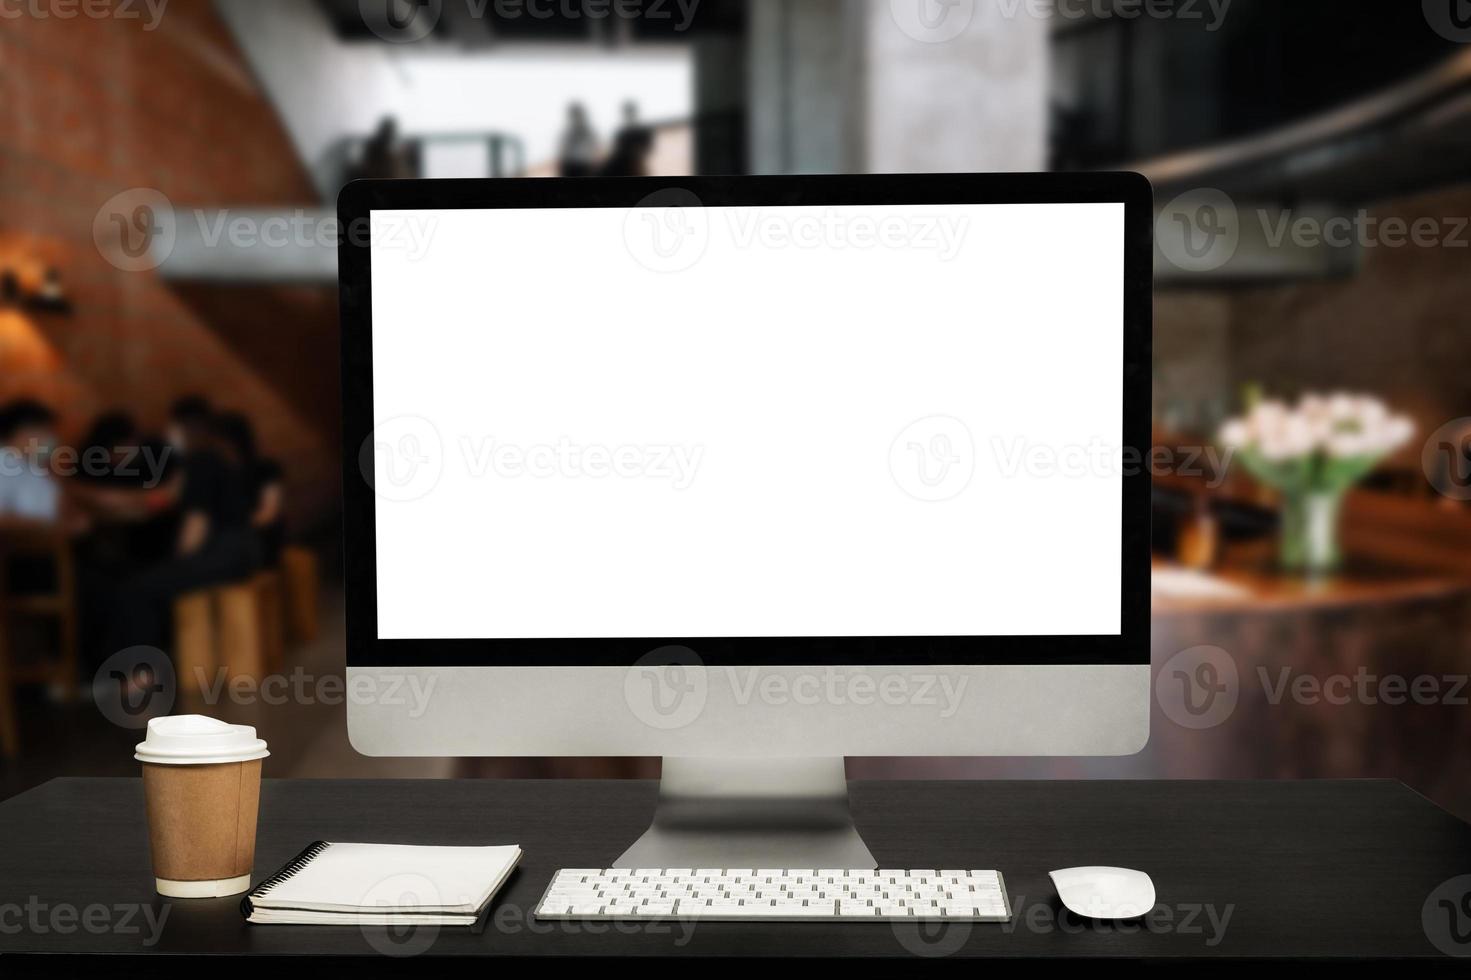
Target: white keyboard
<point>791,894</point>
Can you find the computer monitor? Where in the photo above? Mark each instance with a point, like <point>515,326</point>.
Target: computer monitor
<point>751,473</point>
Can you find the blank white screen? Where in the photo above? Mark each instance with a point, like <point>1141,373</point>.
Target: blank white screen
<point>790,357</point>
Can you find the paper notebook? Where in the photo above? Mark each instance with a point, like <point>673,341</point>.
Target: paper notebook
<point>382,884</point>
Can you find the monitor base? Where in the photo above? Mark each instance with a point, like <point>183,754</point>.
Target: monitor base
<point>751,813</point>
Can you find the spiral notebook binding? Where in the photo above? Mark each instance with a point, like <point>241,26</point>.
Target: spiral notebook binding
<point>291,870</point>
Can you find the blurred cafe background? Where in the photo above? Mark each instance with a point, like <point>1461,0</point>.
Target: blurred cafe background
<point>169,436</point>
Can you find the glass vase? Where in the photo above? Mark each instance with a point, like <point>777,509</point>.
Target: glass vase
<point>1310,531</point>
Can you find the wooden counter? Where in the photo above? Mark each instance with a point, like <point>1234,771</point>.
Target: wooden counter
<point>1265,589</point>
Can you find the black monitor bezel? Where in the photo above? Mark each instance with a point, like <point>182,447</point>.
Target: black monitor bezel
<point>359,198</point>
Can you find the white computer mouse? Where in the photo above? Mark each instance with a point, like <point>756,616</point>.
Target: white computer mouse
<point>1104,893</point>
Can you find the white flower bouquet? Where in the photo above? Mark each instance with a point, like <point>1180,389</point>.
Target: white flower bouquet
<point>1312,453</point>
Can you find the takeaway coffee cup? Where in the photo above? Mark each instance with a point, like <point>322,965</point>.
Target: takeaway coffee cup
<point>201,783</point>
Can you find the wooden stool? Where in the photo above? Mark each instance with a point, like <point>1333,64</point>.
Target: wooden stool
<point>299,574</point>
<point>270,601</point>
<point>235,627</point>
<point>240,641</point>
<point>59,605</point>
<point>194,647</point>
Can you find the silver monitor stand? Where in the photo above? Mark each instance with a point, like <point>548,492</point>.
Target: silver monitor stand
<point>751,813</point>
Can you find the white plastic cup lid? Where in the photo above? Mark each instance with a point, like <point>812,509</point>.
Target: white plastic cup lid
<point>194,740</point>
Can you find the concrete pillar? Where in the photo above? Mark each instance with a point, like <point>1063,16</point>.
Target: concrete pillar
<point>898,86</point>
<point>805,64</point>
<point>720,65</point>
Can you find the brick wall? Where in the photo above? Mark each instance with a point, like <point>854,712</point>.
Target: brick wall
<point>1400,327</point>
<point>93,107</point>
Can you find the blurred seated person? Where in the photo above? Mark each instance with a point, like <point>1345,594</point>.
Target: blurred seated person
<point>110,433</point>
<point>33,507</point>
<point>214,542</point>
<point>128,488</point>
<point>265,485</point>
<point>125,477</point>
<point>631,146</point>
<point>129,482</point>
<point>577,156</point>
<point>189,419</point>
<point>30,496</point>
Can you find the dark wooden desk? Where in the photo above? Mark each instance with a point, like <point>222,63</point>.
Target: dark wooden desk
<point>1244,871</point>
